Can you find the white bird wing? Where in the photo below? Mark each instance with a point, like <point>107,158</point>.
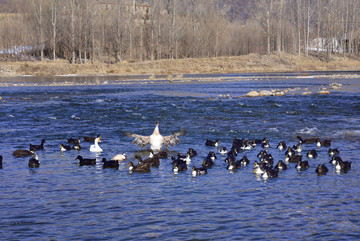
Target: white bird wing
<point>139,140</point>
<point>173,139</point>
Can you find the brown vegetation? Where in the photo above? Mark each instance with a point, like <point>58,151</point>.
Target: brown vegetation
<point>247,63</point>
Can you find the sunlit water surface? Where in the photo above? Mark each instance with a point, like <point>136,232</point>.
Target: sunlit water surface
<point>61,200</point>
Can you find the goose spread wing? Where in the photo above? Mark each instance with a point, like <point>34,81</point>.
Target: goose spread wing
<point>173,139</point>
<point>139,140</point>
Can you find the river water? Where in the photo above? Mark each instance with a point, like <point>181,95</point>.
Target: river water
<point>61,200</point>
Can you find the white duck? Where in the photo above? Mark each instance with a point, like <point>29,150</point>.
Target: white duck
<point>96,147</point>
<point>156,140</point>
<point>119,157</point>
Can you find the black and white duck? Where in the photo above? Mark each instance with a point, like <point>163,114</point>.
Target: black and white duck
<point>211,155</point>
<point>1,161</point>
<point>153,162</point>
<point>270,173</point>
<point>192,152</point>
<point>65,147</point>
<point>342,165</point>
<point>77,147</point>
<point>37,147</point>
<point>140,168</point>
<point>110,163</point>
<point>86,161</point>
<point>156,140</point>
<point>335,159</point>
<point>208,163</point>
<point>333,152</point>
<point>325,143</point>
<point>162,154</point>
<point>293,158</point>
<point>34,161</point>
<point>281,146</point>
<point>198,171</point>
<point>281,166</point>
<point>308,140</point>
<point>312,154</point>
<point>179,166</point>
<point>302,165</point>
<point>212,143</point>
<point>223,150</point>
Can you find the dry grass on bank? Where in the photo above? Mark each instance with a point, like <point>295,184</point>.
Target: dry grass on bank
<point>248,63</point>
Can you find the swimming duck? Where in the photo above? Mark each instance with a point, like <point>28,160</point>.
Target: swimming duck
<point>307,141</point>
<point>302,165</point>
<point>290,152</point>
<point>244,161</point>
<point>265,144</point>
<point>22,153</point>
<point>281,146</point>
<point>76,147</point>
<point>89,138</point>
<point>297,148</point>
<point>86,161</point>
<point>95,147</point>
<point>312,154</point>
<point>192,152</point>
<point>198,171</point>
<point>110,164</point>
<point>321,169</point>
<point>138,168</point>
<point>211,155</point>
<point>208,163</point>
<point>153,162</point>
<point>65,147</point>
<point>119,157</point>
<point>295,158</point>
<point>281,165</point>
<point>325,143</point>
<point>258,169</point>
<point>212,143</point>
<point>270,173</point>
<point>34,162</point>
<point>187,159</point>
<point>335,159</point>
<point>74,141</point>
<point>343,165</point>
<point>233,165</point>
<point>1,161</point>
<point>161,154</point>
<point>37,147</point>
<point>179,166</point>
<point>333,152</point>
<point>156,140</point>
<point>223,150</point>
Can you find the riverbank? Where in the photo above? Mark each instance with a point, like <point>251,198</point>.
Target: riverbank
<point>175,68</point>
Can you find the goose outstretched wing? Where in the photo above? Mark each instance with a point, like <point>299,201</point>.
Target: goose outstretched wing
<point>173,139</point>
<point>139,140</point>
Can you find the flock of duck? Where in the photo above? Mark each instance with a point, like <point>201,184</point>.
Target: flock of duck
<point>264,166</point>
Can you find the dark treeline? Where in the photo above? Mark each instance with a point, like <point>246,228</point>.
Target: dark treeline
<point>110,31</point>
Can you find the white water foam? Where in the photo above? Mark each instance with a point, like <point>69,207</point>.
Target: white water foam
<point>309,131</point>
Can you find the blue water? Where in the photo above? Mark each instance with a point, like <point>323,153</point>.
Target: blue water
<point>61,200</point>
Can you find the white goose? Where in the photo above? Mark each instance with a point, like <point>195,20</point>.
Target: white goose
<point>156,140</point>
<point>96,147</point>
